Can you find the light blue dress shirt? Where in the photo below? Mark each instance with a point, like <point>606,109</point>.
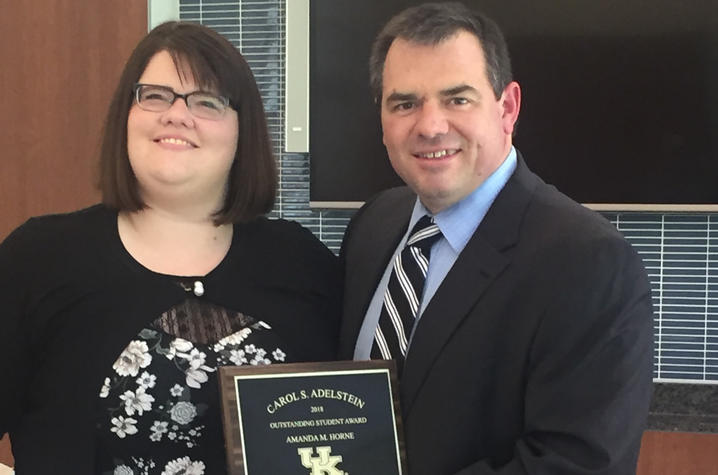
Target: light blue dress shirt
<point>457,224</point>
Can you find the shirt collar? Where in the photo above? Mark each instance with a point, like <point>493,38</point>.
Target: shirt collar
<point>459,221</point>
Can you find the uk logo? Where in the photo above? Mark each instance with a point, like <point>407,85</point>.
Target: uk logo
<point>323,463</point>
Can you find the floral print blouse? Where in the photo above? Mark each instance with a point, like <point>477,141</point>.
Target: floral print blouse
<point>159,407</point>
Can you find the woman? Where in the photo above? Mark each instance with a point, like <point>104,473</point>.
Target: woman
<point>115,318</point>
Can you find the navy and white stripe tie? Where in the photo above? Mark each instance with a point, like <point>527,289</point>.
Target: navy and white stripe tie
<point>402,296</point>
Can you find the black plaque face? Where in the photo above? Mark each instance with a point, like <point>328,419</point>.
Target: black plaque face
<point>336,418</point>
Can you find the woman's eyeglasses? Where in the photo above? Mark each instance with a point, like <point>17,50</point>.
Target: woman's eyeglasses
<point>201,104</point>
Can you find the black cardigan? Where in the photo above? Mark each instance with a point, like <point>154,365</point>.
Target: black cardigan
<point>67,278</point>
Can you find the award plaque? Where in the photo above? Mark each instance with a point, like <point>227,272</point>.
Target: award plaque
<point>334,418</point>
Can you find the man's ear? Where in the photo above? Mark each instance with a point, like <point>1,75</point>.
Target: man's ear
<point>511,104</point>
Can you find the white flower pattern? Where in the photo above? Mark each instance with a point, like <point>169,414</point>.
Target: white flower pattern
<point>279,355</point>
<point>159,427</point>
<point>105,391</point>
<point>183,412</point>
<point>147,380</point>
<point>237,357</point>
<point>183,466</point>
<point>179,346</point>
<point>123,470</point>
<point>137,401</point>
<point>134,357</point>
<point>123,427</point>
<point>176,390</point>
<point>138,390</point>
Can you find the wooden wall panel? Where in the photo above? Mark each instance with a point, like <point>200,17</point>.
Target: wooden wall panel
<point>678,453</point>
<point>60,63</point>
<point>61,60</point>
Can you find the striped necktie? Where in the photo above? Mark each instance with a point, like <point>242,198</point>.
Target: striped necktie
<point>402,296</point>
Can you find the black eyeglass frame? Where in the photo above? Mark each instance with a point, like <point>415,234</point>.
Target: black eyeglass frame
<point>139,85</point>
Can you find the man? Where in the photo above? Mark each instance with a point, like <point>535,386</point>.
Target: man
<point>528,349</point>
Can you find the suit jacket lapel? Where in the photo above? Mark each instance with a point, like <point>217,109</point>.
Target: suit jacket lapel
<point>483,259</point>
<point>372,247</point>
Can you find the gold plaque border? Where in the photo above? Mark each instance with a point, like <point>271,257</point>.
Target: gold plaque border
<point>231,417</point>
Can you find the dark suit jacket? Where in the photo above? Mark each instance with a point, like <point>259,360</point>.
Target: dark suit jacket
<point>535,354</point>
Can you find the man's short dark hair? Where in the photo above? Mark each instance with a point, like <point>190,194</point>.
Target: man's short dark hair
<point>432,23</point>
<point>215,64</point>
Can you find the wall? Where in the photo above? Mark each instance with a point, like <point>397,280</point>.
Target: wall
<point>60,63</point>
<point>61,59</point>
<point>670,453</point>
